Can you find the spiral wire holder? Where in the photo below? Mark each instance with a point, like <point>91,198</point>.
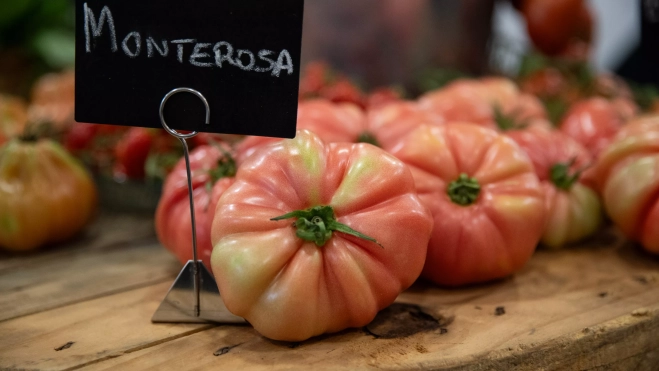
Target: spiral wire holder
<point>194,296</point>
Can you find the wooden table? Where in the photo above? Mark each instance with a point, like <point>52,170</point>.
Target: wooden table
<point>88,304</point>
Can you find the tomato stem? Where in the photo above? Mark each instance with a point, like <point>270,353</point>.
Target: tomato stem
<point>317,223</point>
<point>226,165</point>
<point>559,174</point>
<point>507,122</point>
<point>464,190</point>
<point>369,138</point>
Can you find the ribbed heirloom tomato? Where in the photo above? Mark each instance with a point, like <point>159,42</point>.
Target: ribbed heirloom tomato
<point>345,122</point>
<point>45,194</point>
<point>486,201</point>
<point>627,175</point>
<point>332,122</point>
<point>492,102</point>
<point>315,238</point>
<point>593,123</point>
<point>212,171</point>
<point>574,210</point>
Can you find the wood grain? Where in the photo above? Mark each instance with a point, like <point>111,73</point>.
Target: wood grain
<point>121,257</point>
<point>592,307</point>
<point>96,329</point>
<point>595,306</point>
<point>107,229</point>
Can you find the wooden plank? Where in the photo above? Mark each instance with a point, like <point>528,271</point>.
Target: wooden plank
<point>107,229</point>
<point>118,260</point>
<point>97,329</point>
<point>594,307</point>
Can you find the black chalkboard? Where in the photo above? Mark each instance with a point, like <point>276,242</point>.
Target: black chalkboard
<point>242,55</point>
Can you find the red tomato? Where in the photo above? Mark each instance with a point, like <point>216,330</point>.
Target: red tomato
<point>552,24</point>
<point>132,152</point>
<point>296,279</point>
<point>627,173</point>
<point>486,200</point>
<point>343,91</point>
<point>593,123</point>
<point>382,96</point>
<point>545,83</point>
<point>492,102</point>
<point>212,173</point>
<point>332,122</point>
<point>573,209</point>
<point>314,78</point>
<point>390,122</point>
<point>460,101</point>
<point>79,137</point>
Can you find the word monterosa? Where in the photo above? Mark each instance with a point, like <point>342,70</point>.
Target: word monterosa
<point>202,55</point>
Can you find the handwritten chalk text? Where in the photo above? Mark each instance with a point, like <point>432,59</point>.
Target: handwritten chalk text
<point>191,51</point>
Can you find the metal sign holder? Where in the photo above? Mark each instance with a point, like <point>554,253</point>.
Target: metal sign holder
<point>194,296</point>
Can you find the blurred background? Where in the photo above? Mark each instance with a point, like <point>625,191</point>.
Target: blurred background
<point>359,51</point>
<point>376,42</point>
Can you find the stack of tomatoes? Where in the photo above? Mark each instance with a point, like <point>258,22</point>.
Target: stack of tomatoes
<point>316,234</point>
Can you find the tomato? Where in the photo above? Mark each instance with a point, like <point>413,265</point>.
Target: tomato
<point>79,137</point>
<point>46,196</point>
<point>343,91</point>
<point>320,81</point>
<point>461,100</point>
<point>13,117</point>
<point>315,77</point>
<point>592,122</point>
<point>553,24</point>
<point>492,102</point>
<point>53,99</point>
<point>332,122</point>
<point>132,151</point>
<point>627,173</point>
<point>487,202</point>
<point>212,170</point>
<point>389,122</point>
<point>358,239</point>
<point>574,210</point>
<point>545,83</point>
<point>382,96</point>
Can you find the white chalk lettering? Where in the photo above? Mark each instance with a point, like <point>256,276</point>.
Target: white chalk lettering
<point>138,44</point>
<point>95,29</point>
<point>152,44</point>
<point>179,46</point>
<point>219,57</point>
<point>284,62</point>
<point>239,61</point>
<point>197,54</point>
<point>200,56</point>
<point>263,55</point>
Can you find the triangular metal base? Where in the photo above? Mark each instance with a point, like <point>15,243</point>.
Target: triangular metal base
<point>179,304</point>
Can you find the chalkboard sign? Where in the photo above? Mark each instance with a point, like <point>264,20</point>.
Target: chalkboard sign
<point>242,55</point>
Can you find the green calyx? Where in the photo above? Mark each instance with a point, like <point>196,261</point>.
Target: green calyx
<point>317,223</point>
<point>507,122</point>
<point>226,167</point>
<point>369,138</point>
<point>559,174</point>
<point>464,190</point>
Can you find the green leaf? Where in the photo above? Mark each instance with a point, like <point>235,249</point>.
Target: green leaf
<point>13,10</point>
<point>56,47</point>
